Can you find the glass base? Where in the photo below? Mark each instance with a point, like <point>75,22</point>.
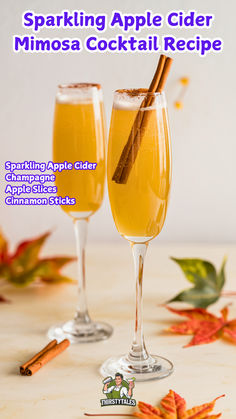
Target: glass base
<point>80,333</point>
<point>154,368</point>
<point>138,239</point>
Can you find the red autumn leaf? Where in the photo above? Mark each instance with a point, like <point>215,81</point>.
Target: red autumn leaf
<point>173,406</point>
<point>3,299</point>
<point>3,249</point>
<point>204,326</point>
<point>25,265</point>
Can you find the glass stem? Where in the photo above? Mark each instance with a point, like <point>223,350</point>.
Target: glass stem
<point>138,350</point>
<point>81,228</point>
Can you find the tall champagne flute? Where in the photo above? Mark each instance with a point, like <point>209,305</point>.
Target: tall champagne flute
<point>79,136</point>
<point>139,208</point>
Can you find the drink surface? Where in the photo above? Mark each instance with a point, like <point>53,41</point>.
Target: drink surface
<point>139,206</point>
<point>79,136</point>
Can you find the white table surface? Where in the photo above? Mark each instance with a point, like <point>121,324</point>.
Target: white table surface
<point>70,384</point>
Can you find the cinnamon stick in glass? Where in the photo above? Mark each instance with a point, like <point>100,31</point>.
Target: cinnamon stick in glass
<point>130,151</point>
<point>24,366</point>
<point>47,356</point>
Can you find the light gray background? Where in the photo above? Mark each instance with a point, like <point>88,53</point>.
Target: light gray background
<point>203,201</point>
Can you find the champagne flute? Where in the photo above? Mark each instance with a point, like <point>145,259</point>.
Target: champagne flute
<point>79,138</point>
<point>139,207</point>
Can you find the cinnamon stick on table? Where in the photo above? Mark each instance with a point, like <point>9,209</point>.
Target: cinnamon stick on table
<point>130,151</point>
<point>39,360</point>
<point>24,366</point>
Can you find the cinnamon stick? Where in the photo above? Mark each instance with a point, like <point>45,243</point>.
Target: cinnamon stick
<point>164,75</point>
<point>117,177</point>
<point>130,151</point>
<point>26,364</point>
<point>47,356</point>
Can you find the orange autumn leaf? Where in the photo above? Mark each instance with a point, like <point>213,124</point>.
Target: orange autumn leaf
<point>173,406</point>
<point>25,264</point>
<point>204,326</point>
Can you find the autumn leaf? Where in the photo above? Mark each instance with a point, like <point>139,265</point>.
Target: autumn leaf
<point>27,253</point>
<point>207,283</point>
<point>204,326</point>
<point>3,299</point>
<point>3,254</point>
<point>173,406</point>
<point>25,265</point>
<point>3,248</point>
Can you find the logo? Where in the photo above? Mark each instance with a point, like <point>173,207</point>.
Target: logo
<point>118,391</point>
